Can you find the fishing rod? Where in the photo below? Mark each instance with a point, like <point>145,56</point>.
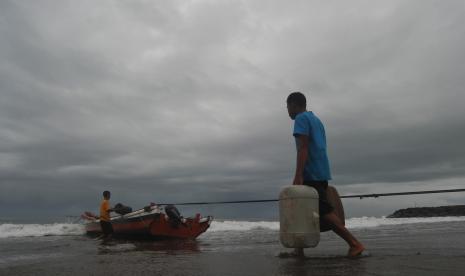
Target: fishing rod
<point>361,196</point>
<point>405,193</point>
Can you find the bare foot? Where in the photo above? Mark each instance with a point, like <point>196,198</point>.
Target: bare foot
<point>355,251</point>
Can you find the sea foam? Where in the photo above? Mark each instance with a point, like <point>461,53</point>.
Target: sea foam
<point>352,223</point>
<point>8,230</point>
<point>369,222</point>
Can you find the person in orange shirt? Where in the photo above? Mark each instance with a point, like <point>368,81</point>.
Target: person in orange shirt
<point>105,210</point>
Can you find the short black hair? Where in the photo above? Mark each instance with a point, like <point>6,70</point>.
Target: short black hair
<point>106,193</point>
<point>297,98</point>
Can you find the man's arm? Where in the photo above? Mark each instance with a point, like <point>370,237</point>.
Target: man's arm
<point>302,155</point>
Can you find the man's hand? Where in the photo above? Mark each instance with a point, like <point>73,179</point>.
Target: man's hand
<point>298,180</point>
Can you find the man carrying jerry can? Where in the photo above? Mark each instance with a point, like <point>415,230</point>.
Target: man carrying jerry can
<point>313,166</point>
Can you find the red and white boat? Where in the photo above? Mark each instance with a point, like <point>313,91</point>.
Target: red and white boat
<point>153,222</point>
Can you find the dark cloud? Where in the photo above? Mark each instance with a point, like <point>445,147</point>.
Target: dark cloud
<point>185,101</point>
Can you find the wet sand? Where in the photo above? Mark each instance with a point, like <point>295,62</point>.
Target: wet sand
<point>411,249</point>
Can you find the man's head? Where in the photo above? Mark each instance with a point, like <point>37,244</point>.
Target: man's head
<point>296,103</point>
<point>106,194</point>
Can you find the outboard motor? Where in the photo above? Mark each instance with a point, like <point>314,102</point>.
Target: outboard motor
<point>173,214</point>
<point>121,209</point>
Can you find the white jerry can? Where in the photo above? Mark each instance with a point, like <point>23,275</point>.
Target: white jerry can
<point>298,217</point>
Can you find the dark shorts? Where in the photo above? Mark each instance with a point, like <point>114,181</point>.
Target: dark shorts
<point>323,203</point>
<point>107,229</point>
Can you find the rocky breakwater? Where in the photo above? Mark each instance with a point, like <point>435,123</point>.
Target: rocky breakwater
<point>441,211</point>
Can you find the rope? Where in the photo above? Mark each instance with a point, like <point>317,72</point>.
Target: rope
<point>344,196</point>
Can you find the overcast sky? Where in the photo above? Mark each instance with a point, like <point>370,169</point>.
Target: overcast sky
<point>172,101</point>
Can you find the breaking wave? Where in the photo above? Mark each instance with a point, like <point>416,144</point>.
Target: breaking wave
<point>352,223</point>
<point>369,222</point>
<point>8,230</point>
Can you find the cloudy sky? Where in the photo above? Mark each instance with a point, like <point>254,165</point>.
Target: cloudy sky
<point>172,101</point>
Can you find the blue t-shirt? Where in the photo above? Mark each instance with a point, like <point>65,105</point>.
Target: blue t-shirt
<point>317,164</point>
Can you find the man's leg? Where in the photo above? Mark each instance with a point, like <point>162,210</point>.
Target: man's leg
<point>107,229</point>
<point>110,230</point>
<point>356,247</point>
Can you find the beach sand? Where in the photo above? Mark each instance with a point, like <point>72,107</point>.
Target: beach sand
<point>436,248</point>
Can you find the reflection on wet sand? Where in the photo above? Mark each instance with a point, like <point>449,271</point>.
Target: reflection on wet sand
<point>159,246</point>
<point>322,265</point>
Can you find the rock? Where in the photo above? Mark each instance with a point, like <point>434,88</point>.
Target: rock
<point>441,211</point>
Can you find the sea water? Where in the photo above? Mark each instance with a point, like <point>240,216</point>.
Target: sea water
<point>233,247</point>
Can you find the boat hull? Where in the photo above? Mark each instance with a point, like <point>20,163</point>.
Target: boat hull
<point>153,225</point>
